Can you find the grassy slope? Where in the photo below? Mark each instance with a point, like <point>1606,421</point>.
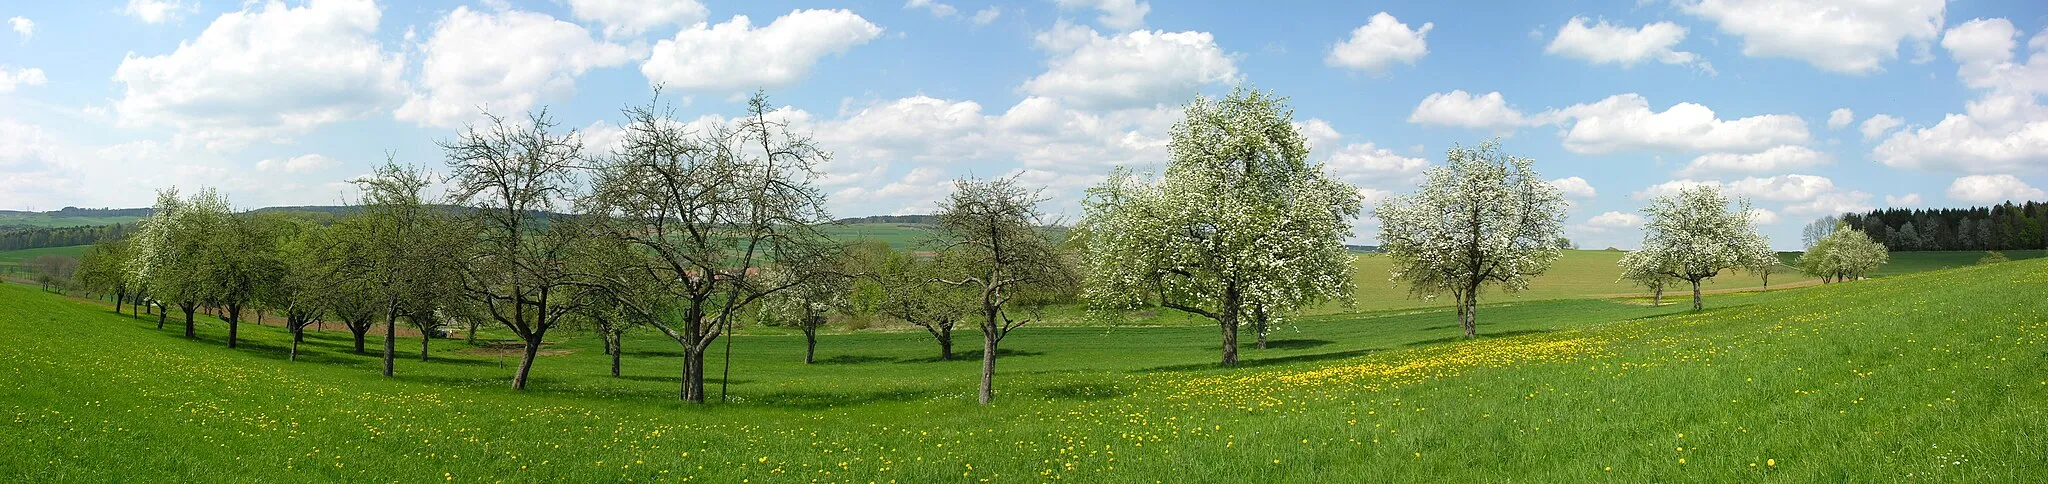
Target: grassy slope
<point>48,220</point>
<point>1935,376</point>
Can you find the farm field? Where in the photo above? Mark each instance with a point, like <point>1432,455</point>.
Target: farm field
<point>1928,377</point>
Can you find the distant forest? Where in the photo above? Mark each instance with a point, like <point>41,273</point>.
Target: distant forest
<point>2006,226</point>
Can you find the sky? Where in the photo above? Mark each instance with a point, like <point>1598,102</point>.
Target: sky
<point>1804,107</point>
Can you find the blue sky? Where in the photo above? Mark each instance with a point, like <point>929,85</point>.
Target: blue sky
<point>1806,107</point>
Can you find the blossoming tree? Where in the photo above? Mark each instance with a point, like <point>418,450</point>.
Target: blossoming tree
<point>1693,235</point>
<point>1484,217</point>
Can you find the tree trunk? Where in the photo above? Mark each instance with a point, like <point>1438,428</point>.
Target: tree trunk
<point>190,332</point>
<point>1695,295</point>
<point>423,345</point>
<point>616,351</point>
<point>526,362</point>
<point>234,324</point>
<point>693,373</point>
<point>1657,298</point>
<point>946,344</point>
<point>359,331</point>
<point>160,315</point>
<point>298,335</point>
<point>1228,323</point>
<point>1469,318</point>
<point>390,341</point>
<point>810,345</point>
<point>469,336</point>
<point>988,364</point>
<point>118,299</point>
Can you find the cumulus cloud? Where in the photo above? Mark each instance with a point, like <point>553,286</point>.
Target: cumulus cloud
<point>1840,117</point>
<point>1132,69</point>
<point>937,9</point>
<point>735,56</point>
<point>1366,164</point>
<point>633,17</point>
<point>1780,158</point>
<point>1625,122</point>
<point>23,26</point>
<point>1378,44</point>
<point>505,61</point>
<point>1907,200</point>
<point>1877,125</point>
<point>158,11</point>
<point>1758,216</point>
<point>1603,43</point>
<point>1990,189</point>
<point>1574,187</point>
<point>2003,131</point>
<point>1616,220</point>
<point>1849,38</point>
<point>1115,14</point>
<point>296,164</point>
<point>13,78</point>
<point>986,15</point>
<point>296,68</point>
<point>1462,109</point>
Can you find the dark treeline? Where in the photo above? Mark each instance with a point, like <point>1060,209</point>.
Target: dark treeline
<point>892,219</point>
<point>2006,226</point>
<point>39,237</point>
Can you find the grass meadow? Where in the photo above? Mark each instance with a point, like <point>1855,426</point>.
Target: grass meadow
<point>1937,376</point>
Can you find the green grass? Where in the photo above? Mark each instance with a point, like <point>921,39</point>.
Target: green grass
<point>53,220</point>
<point>898,236</point>
<point>1930,377</point>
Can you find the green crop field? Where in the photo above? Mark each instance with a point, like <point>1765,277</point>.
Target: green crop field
<point>52,219</point>
<point>1937,376</point>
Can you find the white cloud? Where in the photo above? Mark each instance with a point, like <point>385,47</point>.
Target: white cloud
<point>12,78</point>
<point>920,188</point>
<point>1625,122</point>
<point>1617,220</point>
<point>2003,131</point>
<point>1782,188</point>
<point>24,146</point>
<point>633,17</point>
<point>1877,125</point>
<point>1379,43</point>
<point>158,11</point>
<point>1908,200</point>
<point>506,61</point>
<point>1116,14</point>
<point>1132,69</point>
<point>1669,188</point>
<point>1758,216</point>
<point>986,15</point>
<point>936,8</point>
<point>1780,158</point>
<point>1845,37</point>
<point>265,74</point>
<point>1320,133</point>
<point>1603,43</point>
<point>1366,164</point>
<point>1840,117</point>
<point>23,26</point>
<point>1989,189</point>
<point>1575,187</point>
<point>1462,109</point>
<point>734,56</point>
<point>296,164</point>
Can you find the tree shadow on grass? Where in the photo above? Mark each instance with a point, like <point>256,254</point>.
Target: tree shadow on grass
<point>973,355</point>
<point>1295,344</point>
<point>1079,391</point>
<point>1257,362</point>
<point>852,360</point>
<point>823,400</point>
<point>710,379</point>
<point>1482,335</point>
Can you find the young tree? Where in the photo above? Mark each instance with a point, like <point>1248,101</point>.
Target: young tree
<point>512,176</point>
<point>104,269</point>
<point>1819,229</point>
<point>708,211</point>
<point>241,264</point>
<point>303,286</point>
<point>1693,235</point>
<point>1844,254</point>
<point>1638,268</point>
<point>170,248</point>
<point>998,235</point>
<point>396,238</point>
<point>54,271</point>
<point>905,287</point>
<point>1239,222</point>
<point>1485,217</point>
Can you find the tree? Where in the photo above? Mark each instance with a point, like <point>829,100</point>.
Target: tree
<point>171,247</point>
<point>998,235</point>
<point>906,288</point>
<point>1639,269</point>
<point>1239,224</point>
<point>304,284</point>
<point>1818,229</point>
<point>104,269</point>
<point>1692,236</point>
<point>706,212</point>
<point>400,251</point>
<point>54,271</point>
<point>1845,254</point>
<point>1485,217</point>
<point>241,264</point>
